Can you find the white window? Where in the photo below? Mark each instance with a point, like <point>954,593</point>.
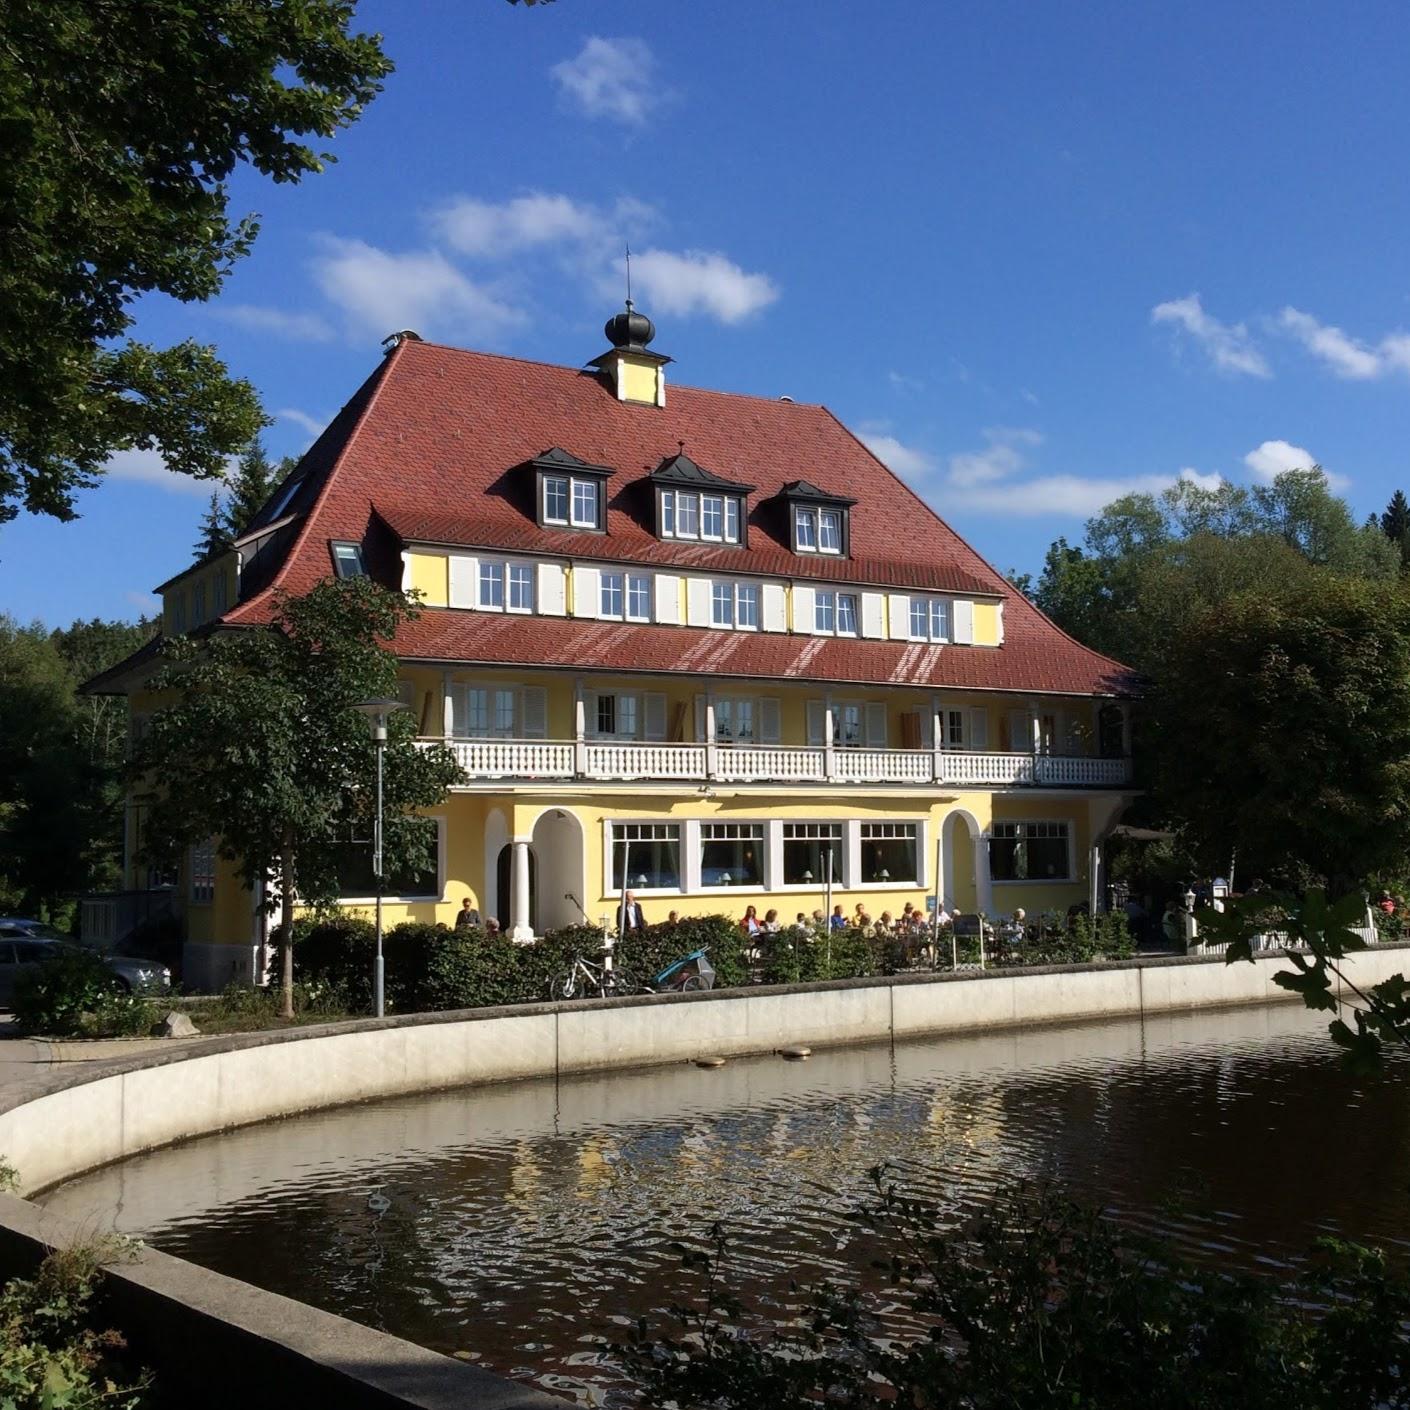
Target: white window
<point>645,856</point>
<point>835,613</point>
<point>817,530</point>
<point>202,871</point>
<point>1030,851</point>
<point>732,854</point>
<point>500,712</point>
<point>613,595</point>
<point>710,517</point>
<point>521,587</point>
<point>617,716</point>
<point>812,853</point>
<point>849,725</point>
<point>890,853</point>
<point>734,605</point>
<point>585,499</point>
<point>555,499</point>
<point>638,597</point>
<point>930,619</point>
<point>572,501</point>
<point>734,719</point>
<point>491,585</point>
<point>347,560</point>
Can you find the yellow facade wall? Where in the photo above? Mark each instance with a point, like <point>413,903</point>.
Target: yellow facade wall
<point>986,623</point>
<point>429,574</point>
<point>638,381</point>
<point>206,584</point>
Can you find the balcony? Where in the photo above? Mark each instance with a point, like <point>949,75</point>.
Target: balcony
<point>600,761</point>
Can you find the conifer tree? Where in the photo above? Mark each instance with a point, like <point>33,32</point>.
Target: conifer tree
<point>214,538</point>
<point>1395,524</point>
<point>250,486</point>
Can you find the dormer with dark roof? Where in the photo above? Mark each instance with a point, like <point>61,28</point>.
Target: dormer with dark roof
<point>818,522</point>
<point>569,493</point>
<point>695,505</point>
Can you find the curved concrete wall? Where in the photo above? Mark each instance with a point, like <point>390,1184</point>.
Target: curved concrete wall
<point>71,1122</point>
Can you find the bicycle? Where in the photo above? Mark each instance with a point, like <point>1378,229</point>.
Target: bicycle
<point>585,980</point>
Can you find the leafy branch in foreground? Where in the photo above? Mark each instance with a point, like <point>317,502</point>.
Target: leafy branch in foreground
<point>1039,1303</point>
<point>1327,932</point>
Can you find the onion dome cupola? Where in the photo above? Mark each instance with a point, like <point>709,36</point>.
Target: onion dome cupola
<point>631,370</point>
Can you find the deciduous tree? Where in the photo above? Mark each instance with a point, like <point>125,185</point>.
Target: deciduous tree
<point>262,749</point>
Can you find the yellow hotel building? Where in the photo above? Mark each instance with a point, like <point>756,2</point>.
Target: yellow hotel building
<point>704,644</point>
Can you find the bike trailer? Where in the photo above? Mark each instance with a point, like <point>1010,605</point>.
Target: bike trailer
<point>673,975</point>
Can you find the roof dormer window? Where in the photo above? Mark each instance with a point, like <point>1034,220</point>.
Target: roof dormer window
<point>696,505</point>
<point>818,522</point>
<point>570,493</point>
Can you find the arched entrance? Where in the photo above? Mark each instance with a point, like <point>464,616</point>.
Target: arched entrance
<point>504,887</point>
<point>558,843</point>
<point>964,864</point>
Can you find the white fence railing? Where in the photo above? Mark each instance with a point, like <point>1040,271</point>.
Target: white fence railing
<point>619,761</point>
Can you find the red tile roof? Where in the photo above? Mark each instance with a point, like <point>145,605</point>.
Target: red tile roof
<point>434,446</point>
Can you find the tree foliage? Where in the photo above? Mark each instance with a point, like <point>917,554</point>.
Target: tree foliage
<point>262,749</point>
<point>119,131</point>
<point>1395,525</point>
<point>214,538</point>
<point>1039,1303</point>
<point>249,487</point>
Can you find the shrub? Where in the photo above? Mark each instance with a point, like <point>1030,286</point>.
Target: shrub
<point>119,1015</point>
<point>338,950</point>
<point>645,953</point>
<point>465,968</point>
<point>50,1352</point>
<point>54,996</point>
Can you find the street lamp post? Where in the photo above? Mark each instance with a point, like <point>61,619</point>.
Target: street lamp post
<point>377,712</point>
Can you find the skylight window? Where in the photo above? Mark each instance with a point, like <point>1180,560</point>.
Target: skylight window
<point>347,560</point>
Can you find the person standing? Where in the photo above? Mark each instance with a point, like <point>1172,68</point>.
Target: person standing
<point>632,917</point>
<point>467,917</point>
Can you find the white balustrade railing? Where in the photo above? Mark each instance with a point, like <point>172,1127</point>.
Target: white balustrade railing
<point>766,764</point>
<point>884,765</point>
<point>1000,769</point>
<point>633,761</point>
<point>611,760</point>
<point>513,758</point>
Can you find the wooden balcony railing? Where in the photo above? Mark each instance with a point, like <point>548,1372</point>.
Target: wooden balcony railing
<point>528,760</point>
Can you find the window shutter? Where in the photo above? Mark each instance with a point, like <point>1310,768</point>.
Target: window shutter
<point>668,599</point>
<point>804,619</point>
<point>770,712</point>
<point>587,589</point>
<point>926,718</point>
<point>962,622</point>
<point>553,590</point>
<point>535,712</point>
<point>697,600</point>
<point>590,714</point>
<point>978,730</point>
<point>775,607</point>
<point>876,726</point>
<point>654,713</point>
<point>872,614</point>
<point>816,727</point>
<point>899,607</point>
<point>464,580</point>
<point>1020,732</point>
<point>700,719</point>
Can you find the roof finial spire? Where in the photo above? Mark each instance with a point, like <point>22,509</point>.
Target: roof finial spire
<point>629,275</point>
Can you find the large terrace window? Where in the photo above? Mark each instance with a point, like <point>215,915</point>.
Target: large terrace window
<point>646,856</point>
<point>1030,851</point>
<point>732,854</point>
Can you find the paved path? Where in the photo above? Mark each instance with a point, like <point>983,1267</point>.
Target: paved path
<point>22,1059</point>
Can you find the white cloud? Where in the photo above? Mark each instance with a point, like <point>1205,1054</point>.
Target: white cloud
<point>1003,456</point>
<point>907,461</point>
<point>380,291</point>
<point>314,425</point>
<point>1227,345</point>
<point>1069,496</point>
<point>1344,355</point>
<point>610,78</point>
<point>1273,457</point>
<point>699,281</point>
<point>905,383</point>
<point>144,602</point>
<point>499,229</point>
<point>298,327</point>
<point>1205,482</point>
<point>146,467</point>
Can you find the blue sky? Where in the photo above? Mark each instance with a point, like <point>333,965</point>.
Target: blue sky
<point>1037,255</point>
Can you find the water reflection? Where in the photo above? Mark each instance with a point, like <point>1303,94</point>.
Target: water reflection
<point>522,1223</point>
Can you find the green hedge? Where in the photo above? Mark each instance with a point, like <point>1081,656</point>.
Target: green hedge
<point>58,996</point>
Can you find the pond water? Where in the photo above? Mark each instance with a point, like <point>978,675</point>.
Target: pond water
<point>524,1223</point>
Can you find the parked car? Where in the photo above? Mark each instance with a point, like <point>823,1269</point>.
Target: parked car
<point>27,943</point>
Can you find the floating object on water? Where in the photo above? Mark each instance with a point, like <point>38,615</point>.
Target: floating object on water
<point>709,1062</point>
<point>795,1052</point>
<point>378,1203</point>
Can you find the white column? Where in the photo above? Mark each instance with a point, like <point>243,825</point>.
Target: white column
<point>983,886</point>
<point>447,706</point>
<point>712,753</point>
<point>520,931</point>
<point>937,740</point>
<point>829,739</point>
<point>1094,879</point>
<point>579,731</point>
